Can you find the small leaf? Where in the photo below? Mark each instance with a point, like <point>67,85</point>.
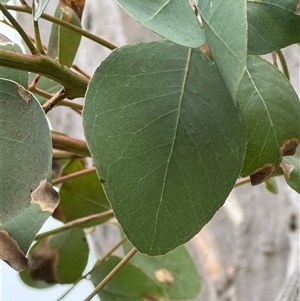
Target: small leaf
<point>128,284</point>
<point>172,19</point>
<point>174,272</point>
<point>80,196</point>
<point>38,8</point>
<point>271,110</point>
<point>27,199</point>
<point>272,25</point>
<point>20,77</point>
<point>291,169</point>
<point>225,26</point>
<point>167,138</point>
<point>63,43</point>
<point>60,258</point>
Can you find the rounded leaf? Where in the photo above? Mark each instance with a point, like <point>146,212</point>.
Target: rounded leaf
<point>166,138</point>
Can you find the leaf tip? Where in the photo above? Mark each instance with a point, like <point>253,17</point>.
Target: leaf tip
<point>262,174</point>
<point>11,253</point>
<point>45,196</point>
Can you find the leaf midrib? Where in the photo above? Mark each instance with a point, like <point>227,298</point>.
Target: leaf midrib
<point>173,144</point>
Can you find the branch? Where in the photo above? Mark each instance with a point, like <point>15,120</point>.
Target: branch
<point>111,274</point>
<point>69,144</point>
<point>283,63</point>
<point>83,221</point>
<point>54,100</point>
<point>73,175</point>
<point>27,9</point>
<point>74,84</point>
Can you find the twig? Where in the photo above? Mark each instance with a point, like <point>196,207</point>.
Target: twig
<point>69,144</point>
<point>83,221</point>
<point>54,100</point>
<point>38,41</point>
<point>27,9</point>
<point>283,63</point>
<point>73,105</point>
<point>73,175</point>
<point>274,59</point>
<point>79,70</point>
<point>111,274</point>
<point>112,250</point>
<point>19,28</point>
<point>57,154</point>
<point>242,181</point>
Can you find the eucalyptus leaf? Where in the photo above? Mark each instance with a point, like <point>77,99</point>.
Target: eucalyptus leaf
<point>166,138</point>
<point>27,199</point>
<point>21,77</point>
<point>81,196</point>
<point>225,26</point>
<point>273,24</point>
<point>39,7</point>
<point>63,42</point>
<point>174,272</point>
<point>271,111</point>
<point>129,284</point>
<point>60,258</point>
<point>173,19</point>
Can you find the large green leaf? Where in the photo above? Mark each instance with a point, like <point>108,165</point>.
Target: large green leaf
<point>225,26</point>
<point>63,43</point>
<point>291,168</point>
<point>129,284</point>
<point>21,77</point>
<point>271,111</point>
<point>60,258</point>
<point>27,199</point>
<point>273,24</point>
<point>173,19</point>
<point>174,272</point>
<point>80,196</point>
<point>166,138</point>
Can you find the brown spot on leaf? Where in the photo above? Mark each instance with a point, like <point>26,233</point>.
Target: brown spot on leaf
<point>24,94</point>
<point>205,49</point>
<point>42,261</point>
<point>11,253</point>
<point>262,174</point>
<point>165,276</point>
<point>76,5</point>
<point>289,147</point>
<point>102,181</point>
<point>45,196</point>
